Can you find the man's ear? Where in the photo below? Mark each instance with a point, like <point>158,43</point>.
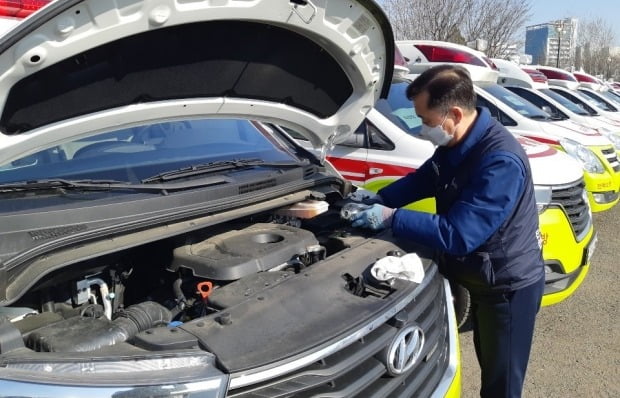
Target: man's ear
<point>457,114</point>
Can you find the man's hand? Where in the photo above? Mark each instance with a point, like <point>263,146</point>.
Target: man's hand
<point>366,197</point>
<point>375,217</point>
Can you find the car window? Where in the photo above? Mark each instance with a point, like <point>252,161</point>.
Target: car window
<point>378,140</point>
<point>131,154</point>
<point>399,109</point>
<point>611,97</point>
<point>601,103</point>
<point>578,98</point>
<point>515,102</point>
<point>357,139</point>
<point>578,108</point>
<point>539,101</point>
<point>495,111</point>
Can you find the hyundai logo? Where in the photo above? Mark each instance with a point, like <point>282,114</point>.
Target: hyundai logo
<point>405,350</point>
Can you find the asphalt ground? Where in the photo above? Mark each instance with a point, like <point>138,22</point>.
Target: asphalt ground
<point>576,348</point>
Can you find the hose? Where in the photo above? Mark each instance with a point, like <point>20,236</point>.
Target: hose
<point>140,317</point>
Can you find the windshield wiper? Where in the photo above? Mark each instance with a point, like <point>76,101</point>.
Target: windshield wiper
<point>214,167</point>
<point>77,185</point>
<point>539,117</point>
<point>60,184</point>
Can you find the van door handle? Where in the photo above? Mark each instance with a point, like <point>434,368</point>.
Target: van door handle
<point>375,170</point>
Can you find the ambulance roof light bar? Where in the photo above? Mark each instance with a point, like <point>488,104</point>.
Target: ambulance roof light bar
<point>537,76</point>
<point>20,8</point>
<point>556,74</point>
<point>585,78</point>
<point>425,54</point>
<point>436,53</point>
<point>589,81</point>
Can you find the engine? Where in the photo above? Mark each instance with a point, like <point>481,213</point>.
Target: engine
<point>111,302</point>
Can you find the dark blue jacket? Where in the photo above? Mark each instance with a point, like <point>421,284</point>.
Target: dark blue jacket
<point>486,226</point>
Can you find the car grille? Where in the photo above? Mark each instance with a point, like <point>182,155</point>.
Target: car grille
<point>358,370</point>
<point>572,200</point>
<point>612,157</point>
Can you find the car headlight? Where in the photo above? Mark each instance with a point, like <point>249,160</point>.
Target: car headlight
<point>543,197</point>
<point>611,136</point>
<point>185,375</point>
<point>588,159</point>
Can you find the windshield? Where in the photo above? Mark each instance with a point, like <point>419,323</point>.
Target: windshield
<point>515,102</point>
<point>570,105</point>
<point>132,154</point>
<point>399,109</point>
<point>612,97</point>
<point>588,103</point>
<point>600,102</point>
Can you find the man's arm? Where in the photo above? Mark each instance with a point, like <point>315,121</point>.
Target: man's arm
<point>482,207</point>
<point>410,188</point>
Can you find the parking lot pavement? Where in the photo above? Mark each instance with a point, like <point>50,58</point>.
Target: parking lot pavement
<point>576,350</point>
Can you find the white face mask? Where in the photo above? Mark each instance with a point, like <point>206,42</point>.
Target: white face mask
<point>437,135</point>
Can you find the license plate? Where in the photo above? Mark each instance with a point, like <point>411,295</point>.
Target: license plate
<point>591,247</point>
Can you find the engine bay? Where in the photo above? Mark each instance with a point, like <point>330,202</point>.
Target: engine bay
<point>133,298</point>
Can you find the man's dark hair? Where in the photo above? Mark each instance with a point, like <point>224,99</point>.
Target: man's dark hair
<point>447,86</point>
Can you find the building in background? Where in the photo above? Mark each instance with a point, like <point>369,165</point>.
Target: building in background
<point>552,43</point>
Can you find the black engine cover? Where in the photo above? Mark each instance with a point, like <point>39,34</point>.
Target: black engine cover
<point>241,252</point>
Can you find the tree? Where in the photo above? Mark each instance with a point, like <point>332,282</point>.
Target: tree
<point>427,20</point>
<point>496,21</point>
<point>596,37</point>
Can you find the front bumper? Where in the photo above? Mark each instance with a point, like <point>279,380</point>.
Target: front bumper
<point>566,258</point>
<point>350,365</point>
<point>602,191</point>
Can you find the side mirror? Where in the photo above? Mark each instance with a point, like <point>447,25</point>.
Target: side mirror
<point>547,109</point>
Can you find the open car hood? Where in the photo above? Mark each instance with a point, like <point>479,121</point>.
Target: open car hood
<point>78,67</point>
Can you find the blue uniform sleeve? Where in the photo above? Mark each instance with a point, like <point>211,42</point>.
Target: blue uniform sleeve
<point>410,188</point>
<point>482,207</point>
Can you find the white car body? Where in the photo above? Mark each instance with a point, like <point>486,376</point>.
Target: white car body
<point>538,93</point>
<point>566,84</point>
<point>171,77</point>
<point>485,73</point>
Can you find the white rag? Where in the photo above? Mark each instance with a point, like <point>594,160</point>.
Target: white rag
<point>389,268</point>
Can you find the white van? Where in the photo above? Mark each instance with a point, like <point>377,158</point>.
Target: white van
<point>565,84</point>
<point>521,82</point>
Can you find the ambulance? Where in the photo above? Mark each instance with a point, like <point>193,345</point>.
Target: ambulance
<point>594,88</point>
<point>532,86</point>
<point>385,147</point>
<point>565,84</point>
<point>595,152</point>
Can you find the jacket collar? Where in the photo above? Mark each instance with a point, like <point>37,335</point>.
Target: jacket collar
<point>457,154</point>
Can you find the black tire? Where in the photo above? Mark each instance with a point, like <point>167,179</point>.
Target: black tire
<point>462,304</point>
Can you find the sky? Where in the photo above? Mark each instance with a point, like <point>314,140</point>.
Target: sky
<point>550,10</point>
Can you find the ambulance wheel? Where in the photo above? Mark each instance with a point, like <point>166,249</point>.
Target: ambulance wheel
<point>462,304</point>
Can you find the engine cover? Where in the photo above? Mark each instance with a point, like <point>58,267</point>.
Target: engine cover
<point>241,252</point>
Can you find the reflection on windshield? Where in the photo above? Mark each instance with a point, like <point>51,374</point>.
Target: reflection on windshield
<point>131,154</point>
<point>571,106</point>
<point>612,97</point>
<point>601,103</point>
<point>399,109</point>
<point>515,102</point>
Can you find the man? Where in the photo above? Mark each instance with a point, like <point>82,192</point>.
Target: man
<point>486,226</point>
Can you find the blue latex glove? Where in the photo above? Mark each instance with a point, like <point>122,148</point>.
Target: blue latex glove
<point>366,197</point>
<point>375,217</point>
